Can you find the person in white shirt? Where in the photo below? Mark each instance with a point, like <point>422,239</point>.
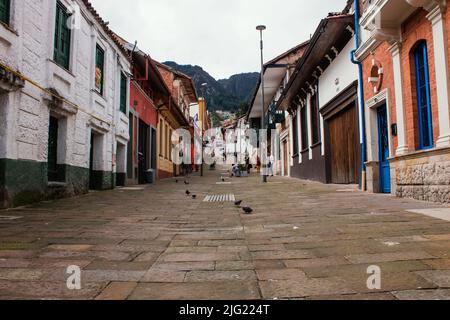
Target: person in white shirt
<point>271,163</point>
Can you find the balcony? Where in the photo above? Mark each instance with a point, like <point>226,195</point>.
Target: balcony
<point>382,20</point>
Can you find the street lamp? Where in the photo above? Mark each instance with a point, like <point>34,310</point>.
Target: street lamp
<point>261,28</point>
<point>204,85</point>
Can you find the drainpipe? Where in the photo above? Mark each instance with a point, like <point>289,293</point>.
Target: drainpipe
<point>361,96</point>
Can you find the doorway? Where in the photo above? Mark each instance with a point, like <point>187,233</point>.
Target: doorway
<point>285,159</point>
<point>52,161</point>
<point>143,152</point>
<point>96,162</point>
<point>154,149</point>
<point>344,146</point>
<point>383,140</point>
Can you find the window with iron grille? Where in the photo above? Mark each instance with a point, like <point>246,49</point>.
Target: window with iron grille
<point>167,146</point>
<point>61,53</point>
<point>295,134</point>
<point>315,125</point>
<point>161,138</point>
<point>304,123</point>
<point>123,92</point>
<point>170,145</point>
<point>99,69</point>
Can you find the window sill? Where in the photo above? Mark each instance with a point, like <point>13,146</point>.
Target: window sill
<point>9,36</point>
<point>60,67</point>
<point>99,95</point>
<point>316,144</point>
<point>304,150</point>
<point>8,27</point>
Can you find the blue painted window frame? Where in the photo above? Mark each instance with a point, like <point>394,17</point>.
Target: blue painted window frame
<point>423,103</point>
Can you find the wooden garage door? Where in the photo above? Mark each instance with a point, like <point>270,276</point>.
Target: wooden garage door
<point>344,147</point>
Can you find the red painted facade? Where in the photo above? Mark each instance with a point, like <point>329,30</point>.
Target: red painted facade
<point>142,104</point>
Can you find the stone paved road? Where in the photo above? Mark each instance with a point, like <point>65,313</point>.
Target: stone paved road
<point>304,240</point>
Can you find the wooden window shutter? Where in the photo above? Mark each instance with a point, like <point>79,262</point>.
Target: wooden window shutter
<point>4,11</point>
<point>62,37</point>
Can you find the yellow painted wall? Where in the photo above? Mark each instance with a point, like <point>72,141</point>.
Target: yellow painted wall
<point>164,145</point>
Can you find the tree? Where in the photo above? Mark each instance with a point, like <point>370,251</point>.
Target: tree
<point>243,109</point>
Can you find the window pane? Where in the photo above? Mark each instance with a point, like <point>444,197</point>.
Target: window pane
<point>315,120</point>
<point>99,69</point>
<point>62,37</point>
<point>4,11</point>
<point>123,93</point>
<point>304,122</point>
<point>423,97</point>
<point>295,133</point>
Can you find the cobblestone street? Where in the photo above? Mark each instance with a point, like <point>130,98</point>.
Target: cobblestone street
<point>304,240</point>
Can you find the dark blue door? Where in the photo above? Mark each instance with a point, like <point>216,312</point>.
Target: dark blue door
<point>383,138</point>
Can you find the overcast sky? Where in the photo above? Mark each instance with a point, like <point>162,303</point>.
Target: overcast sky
<point>218,35</point>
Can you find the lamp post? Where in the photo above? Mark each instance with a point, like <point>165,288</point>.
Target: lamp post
<point>204,85</point>
<point>261,28</point>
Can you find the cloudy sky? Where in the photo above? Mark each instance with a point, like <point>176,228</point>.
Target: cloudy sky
<point>218,35</point>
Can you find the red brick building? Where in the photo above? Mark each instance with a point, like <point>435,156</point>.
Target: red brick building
<point>406,88</point>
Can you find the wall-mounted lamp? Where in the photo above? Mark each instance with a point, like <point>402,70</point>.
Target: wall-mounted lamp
<point>394,130</point>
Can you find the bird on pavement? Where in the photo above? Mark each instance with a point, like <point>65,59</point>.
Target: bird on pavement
<point>176,181</point>
<point>247,210</point>
<point>238,203</point>
<point>194,196</point>
<point>186,182</point>
<point>223,179</point>
<point>188,192</point>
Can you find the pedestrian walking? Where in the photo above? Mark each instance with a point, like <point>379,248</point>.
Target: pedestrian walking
<point>271,164</point>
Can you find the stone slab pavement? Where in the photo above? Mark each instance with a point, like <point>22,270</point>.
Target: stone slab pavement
<point>304,240</point>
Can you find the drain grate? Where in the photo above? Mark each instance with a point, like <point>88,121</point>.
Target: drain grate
<point>220,198</point>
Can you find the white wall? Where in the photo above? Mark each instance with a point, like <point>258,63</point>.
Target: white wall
<point>28,48</point>
<point>341,70</point>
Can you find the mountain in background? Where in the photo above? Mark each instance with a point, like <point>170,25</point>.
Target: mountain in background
<point>225,94</point>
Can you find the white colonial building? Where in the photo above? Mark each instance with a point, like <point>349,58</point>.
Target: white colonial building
<point>64,88</point>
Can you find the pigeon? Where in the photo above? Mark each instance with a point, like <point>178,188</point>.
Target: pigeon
<point>238,203</point>
<point>176,181</point>
<point>223,179</point>
<point>194,196</point>
<point>188,192</point>
<point>186,182</point>
<point>247,210</point>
